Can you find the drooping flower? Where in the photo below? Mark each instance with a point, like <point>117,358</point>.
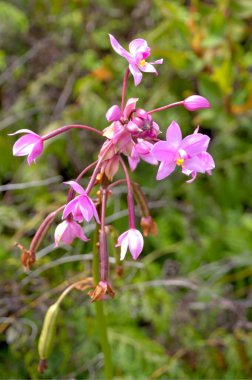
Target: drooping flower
<point>189,153</point>
<point>82,207</point>
<point>31,145</point>
<point>133,240</point>
<point>139,51</point>
<point>141,150</point>
<point>196,102</point>
<point>67,231</point>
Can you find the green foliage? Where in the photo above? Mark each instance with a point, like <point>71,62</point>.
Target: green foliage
<point>57,67</point>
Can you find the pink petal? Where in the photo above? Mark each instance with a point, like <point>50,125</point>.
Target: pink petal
<point>36,151</point>
<point>165,169</point>
<point>24,131</point>
<point>78,188</point>
<point>123,242</point>
<point>158,62</point>
<point>95,213</point>
<point>130,107</point>
<point>133,162</point>
<point>163,151</point>
<point>77,214</point>
<point>174,135</point>
<point>148,68</point>
<point>208,161</point>
<point>195,164</point>
<point>121,238</point>
<point>137,45</point>
<point>70,207</point>
<point>118,48</point>
<point>149,158</point>
<point>136,242</point>
<point>59,231</point>
<point>195,143</point>
<point>86,207</point>
<point>24,144</point>
<point>136,74</point>
<point>78,231</point>
<point>113,113</point>
<point>194,175</point>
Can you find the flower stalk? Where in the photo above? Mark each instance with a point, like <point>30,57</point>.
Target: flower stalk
<point>101,320</point>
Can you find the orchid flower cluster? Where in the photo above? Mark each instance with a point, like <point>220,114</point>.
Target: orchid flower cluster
<point>132,134</point>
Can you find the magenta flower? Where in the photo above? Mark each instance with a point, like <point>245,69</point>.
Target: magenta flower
<point>189,153</point>
<point>67,231</point>
<point>195,102</point>
<point>30,145</point>
<point>133,240</point>
<point>82,207</point>
<point>138,52</point>
<point>141,150</point>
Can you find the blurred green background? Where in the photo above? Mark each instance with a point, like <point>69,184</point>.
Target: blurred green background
<point>184,310</point>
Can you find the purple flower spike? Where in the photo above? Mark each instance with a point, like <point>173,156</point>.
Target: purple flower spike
<point>189,153</point>
<point>67,231</point>
<point>195,102</point>
<point>133,240</point>
<point>138,52</point>
<point>82,207</point>
<point>113,113</point>
<point>30,145</point>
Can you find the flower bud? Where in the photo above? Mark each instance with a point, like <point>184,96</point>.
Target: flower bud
<point>195,102</point>
<point>113,113</point>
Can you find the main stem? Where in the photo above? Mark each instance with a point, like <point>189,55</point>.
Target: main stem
<point>100,314</point>
<point>125,80</point>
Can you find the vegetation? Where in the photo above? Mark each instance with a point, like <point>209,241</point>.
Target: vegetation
<point>184,309</point>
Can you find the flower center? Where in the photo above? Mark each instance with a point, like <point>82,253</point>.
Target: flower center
<point>180,161</point>
<point>142,63</point>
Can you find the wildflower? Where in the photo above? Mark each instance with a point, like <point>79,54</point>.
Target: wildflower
<point>195,102</point>
<point>67,231</point>
<point>138,52</point>
<point>30,145</point>
<point>81,207</point>
<point>141,150</point>
<point>133,240</point>
<point>189,153</point>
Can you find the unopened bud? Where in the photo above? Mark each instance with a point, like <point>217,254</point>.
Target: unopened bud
<point>195,102</point>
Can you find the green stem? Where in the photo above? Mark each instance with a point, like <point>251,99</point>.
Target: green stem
<point>100,314</point>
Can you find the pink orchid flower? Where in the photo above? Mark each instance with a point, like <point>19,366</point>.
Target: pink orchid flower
<point>141,150</point>
<point>133,240</point>
<point>189,153</point>
<point>82,207</point>
<point>67,231</point>
<point>138,52</point>
<point>30,145</point>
